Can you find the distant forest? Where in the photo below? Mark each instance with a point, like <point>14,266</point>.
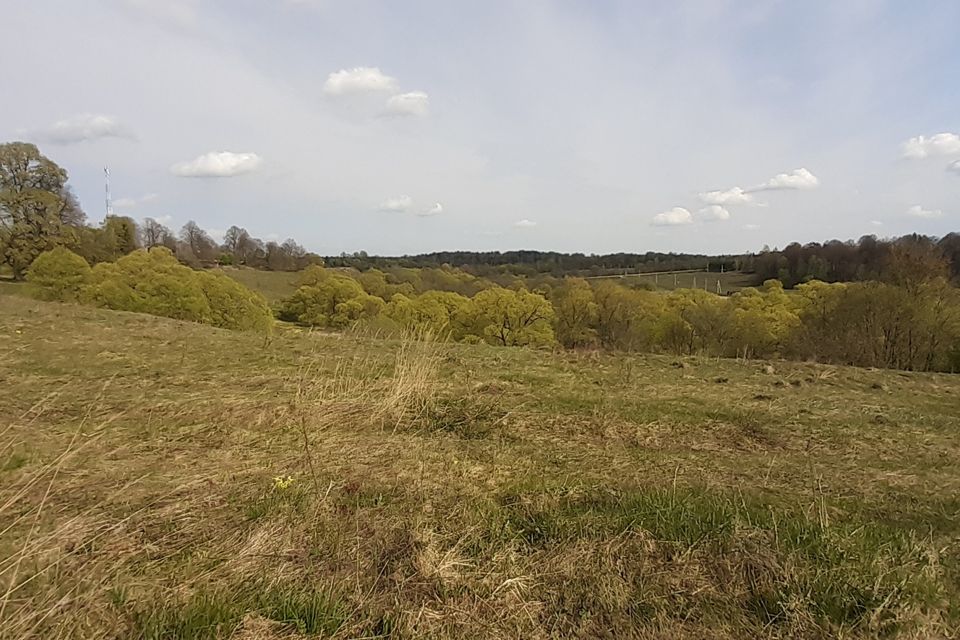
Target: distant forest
<point>869,258</point>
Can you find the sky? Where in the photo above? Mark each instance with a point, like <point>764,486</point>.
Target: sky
<point>713,126</point>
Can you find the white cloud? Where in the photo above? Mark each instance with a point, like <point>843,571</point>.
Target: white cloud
<point>736,195</point>
<point>128,202</point>
<point>751,227</point>
<point>82,128</point>
<point>940,144</point>
<point>436,209</point>
<point>919,212</point>
<point>877,223</point>
<point>399,204</point>
<point>164,220</point>
<point>414,103</point>
<point>954,166</point>
<point>524,224</point>
<point>714,212</point>
<point>358,80</point>
<point>217,164</point>
<point>673,217</point>
<point>217,234</point>
<point>796,179</point>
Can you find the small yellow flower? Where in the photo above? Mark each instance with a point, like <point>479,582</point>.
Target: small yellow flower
<point>282,483</point>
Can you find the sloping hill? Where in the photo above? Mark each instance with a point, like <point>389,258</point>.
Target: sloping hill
<point>166,479</point>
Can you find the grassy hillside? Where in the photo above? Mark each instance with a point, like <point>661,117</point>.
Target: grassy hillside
<point>272,285</point>
<point>161,479</point>
<point>730,281</point>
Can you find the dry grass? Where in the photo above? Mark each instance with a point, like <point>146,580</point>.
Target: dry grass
<point>455,491</point>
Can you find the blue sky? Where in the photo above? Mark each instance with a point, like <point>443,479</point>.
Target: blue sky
<point>400,127</point>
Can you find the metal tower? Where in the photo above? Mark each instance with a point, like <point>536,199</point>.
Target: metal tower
<point>106,179</point>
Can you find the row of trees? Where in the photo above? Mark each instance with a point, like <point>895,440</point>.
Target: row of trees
<point>869,258</point>
<point>195,247</point>
<point>910,325</point>
<point>38,212</point>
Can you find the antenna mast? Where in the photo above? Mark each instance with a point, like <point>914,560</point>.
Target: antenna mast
<point>106,179</point>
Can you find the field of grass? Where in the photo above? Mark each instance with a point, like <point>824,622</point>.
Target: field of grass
<point>272,285</point>
<point>730,281</point>
<point>161,479</point>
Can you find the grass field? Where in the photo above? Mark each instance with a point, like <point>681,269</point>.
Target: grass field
<point>161,479</point>
<point>272,285</point>
<point>730,281</point>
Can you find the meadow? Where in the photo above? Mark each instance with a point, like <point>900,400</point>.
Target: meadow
<point>167,479</point>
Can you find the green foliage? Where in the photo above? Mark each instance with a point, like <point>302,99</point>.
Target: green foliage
<point>233,306</point>
<point>511,318</point>
<point>442,313</point>
<point>155,282</point>
<point>576,313</point>
<point>329,299</point>
<point>151,282</point>
<point>32,205</point>
<point>58,274</point>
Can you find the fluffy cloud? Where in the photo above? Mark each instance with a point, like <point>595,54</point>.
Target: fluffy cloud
<point>736,195</point>
<point>127,203</point>
<point>524,224</point>
<point>414,103</point>
<point>358,80</point>
<point>940,144</point>
<point>714,213</point>
<point>400,204</point>
<point>436,209</point>
<point>919,212</point>
<point>877,223</point>
<point>217,164</point>
<point>954,166</point>
<point>81,128</point>
<point>673,217</point>
<point>796,179</point>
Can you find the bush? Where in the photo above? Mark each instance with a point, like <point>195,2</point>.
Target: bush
<point>149,282</point>
<point>326,299</point>
<point>155,282</point>
<point>233,306</point>
<point>58,274</point>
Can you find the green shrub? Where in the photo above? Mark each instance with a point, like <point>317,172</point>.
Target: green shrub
<point>326,299</point>
<point>233,306</point>
<point>58,274</point>
<point>155,282</point>
<point>149,282</point>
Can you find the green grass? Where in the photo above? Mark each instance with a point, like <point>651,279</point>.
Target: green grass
<point>730,281</point>
<point>272,285</point>
<point>460,491</point>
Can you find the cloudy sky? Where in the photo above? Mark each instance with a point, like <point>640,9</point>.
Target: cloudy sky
<point>399,127</point>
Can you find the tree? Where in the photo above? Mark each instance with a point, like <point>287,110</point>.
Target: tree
<point>627,319</point>
<point>197,245</point>
<point>120,235</point>
<point>35,205</point>
<point>154,234</point>
<point>512,318</point>
<point>328,299</point>
<point>58,274</point>
<point>577,313</point>
<point>233,306</point>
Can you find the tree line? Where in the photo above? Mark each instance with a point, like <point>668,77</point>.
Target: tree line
<point>39,212</point>
<point>912,324</point>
